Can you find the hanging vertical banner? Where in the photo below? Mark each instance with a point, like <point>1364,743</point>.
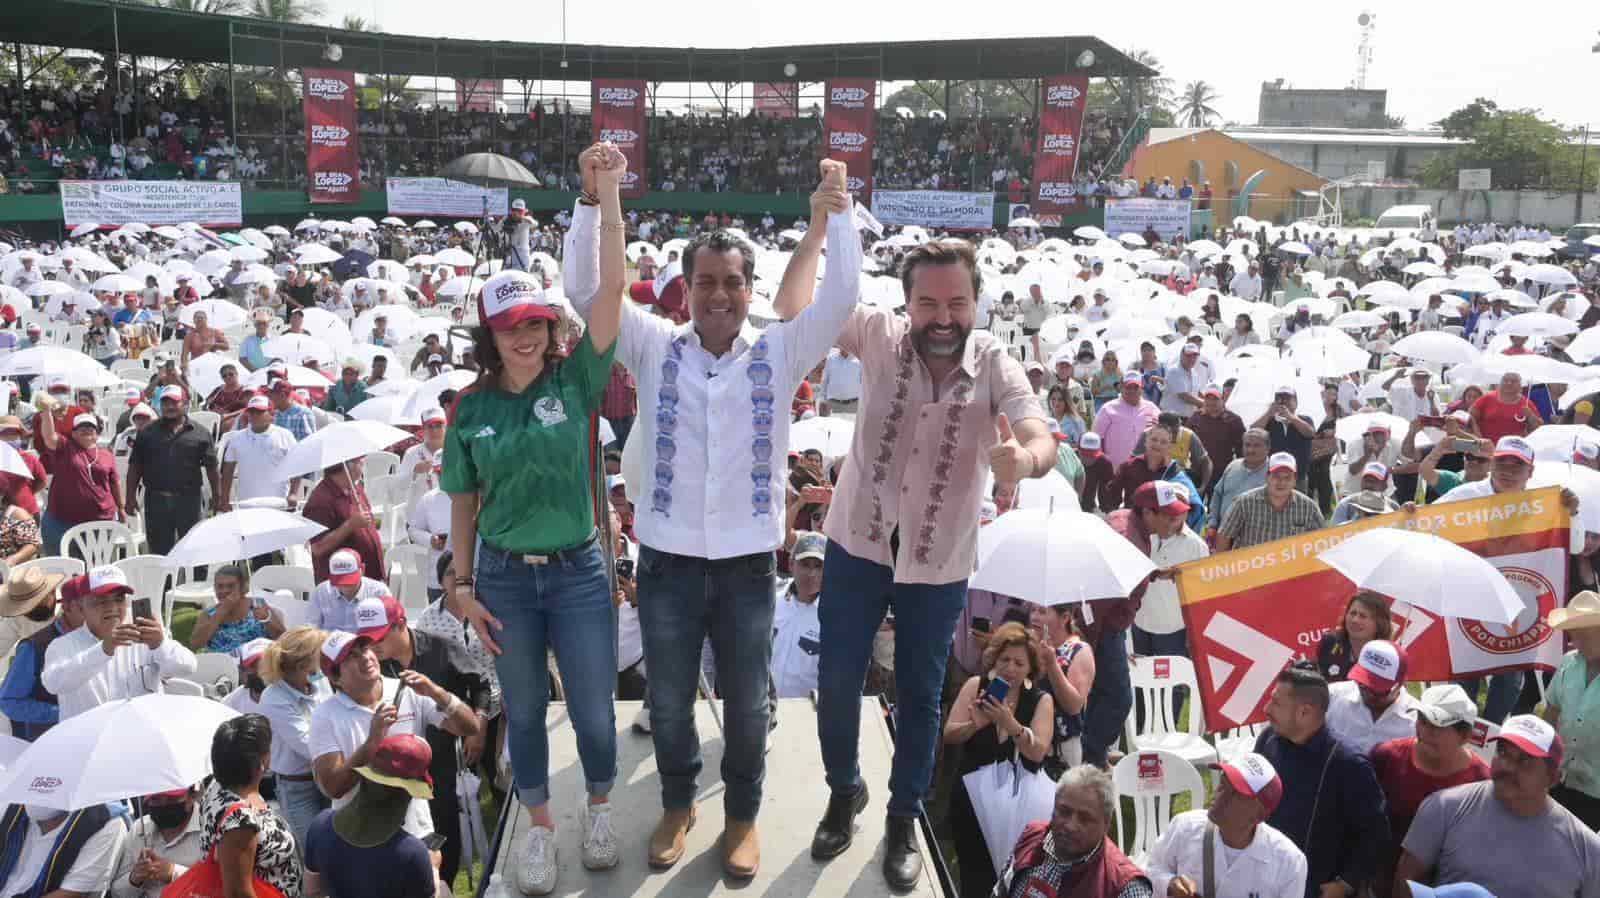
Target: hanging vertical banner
<point>850,121</point>
<point>1055,159</point>
<point>333,159</point>
<point>776,100</point>
<point>619,117</point>
<point>480,94</point>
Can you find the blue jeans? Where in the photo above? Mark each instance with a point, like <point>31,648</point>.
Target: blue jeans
<point>1110,699</point>
<point>1149,644</point>
<point>1504,690</point>
<point>682,600</point>
<point>51,529</point>
<point>563,605</point>
<point>856,594</point>
<point>300,801</point>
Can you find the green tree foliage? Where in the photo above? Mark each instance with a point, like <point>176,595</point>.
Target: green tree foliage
<point>1195,107</point>
<point>1522,149</point>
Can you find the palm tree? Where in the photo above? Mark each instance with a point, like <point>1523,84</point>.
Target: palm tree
<point>1134,94</point>
<point>354,23</point>
<point>287,10</point>
<point>1195,107</point>
<point>214,7</point>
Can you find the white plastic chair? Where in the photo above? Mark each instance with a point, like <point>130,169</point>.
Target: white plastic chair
<point>190,589</point>
<point>212,667</point>
<point>98,542</point>
<point>148,575</point>
<point>1154,679</point>
<point>408,575</point>
<point>54,564</point>
<point>208,421</point>
<point>381,464</point>
<point>273,577</point>
<point>180,686</point>
<point>1478,742</point>
<point>1152,779</point>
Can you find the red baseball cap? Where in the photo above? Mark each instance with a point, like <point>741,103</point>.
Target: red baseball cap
<point>402,762</point>
<point>1163,496</point>
<point>1532,735</point>
<point>512,297</point>
<point>337,646</point>
<point>1380,667</point>
<point>344,568</point>
<point>1253,776</point>
<point>377,615</point>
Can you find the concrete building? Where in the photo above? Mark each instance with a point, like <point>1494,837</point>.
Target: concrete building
<point>1343,108</point>
<point>1373,155</point>
<point>1283,192</point>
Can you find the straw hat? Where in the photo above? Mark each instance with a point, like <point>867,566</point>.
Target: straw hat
<point>1583,611</point>
<point>26,589</point>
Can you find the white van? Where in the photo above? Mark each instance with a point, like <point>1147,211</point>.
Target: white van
<point>1405,221</point>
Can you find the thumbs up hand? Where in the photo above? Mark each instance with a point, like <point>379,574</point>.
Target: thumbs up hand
<point>1008,459</point>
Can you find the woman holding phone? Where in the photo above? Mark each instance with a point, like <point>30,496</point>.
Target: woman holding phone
<point>1003,715</point>
<point>530,573</point>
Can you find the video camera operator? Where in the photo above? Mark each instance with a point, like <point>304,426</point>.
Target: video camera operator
<point>517,230</point>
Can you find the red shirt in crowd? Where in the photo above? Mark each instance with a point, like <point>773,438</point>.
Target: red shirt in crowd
<point>1405,786</point>
<point>25,492</point>
<point>84,483</point>
<point>331,506</point>
<point>1496,419</point>
<point>63,424</point>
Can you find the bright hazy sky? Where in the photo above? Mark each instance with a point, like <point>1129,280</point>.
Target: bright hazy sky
<point>1431,56</point>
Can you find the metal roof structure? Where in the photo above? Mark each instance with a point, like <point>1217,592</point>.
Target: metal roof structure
<point>152,31</point>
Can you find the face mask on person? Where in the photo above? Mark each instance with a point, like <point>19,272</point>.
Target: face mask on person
<point>168,816</point>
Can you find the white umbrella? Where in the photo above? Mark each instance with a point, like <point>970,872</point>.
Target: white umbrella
<point>316,254</point>
<point>1556,442</point>
<point>256,273</point>
<point>458,287</point>
<point>118,283</point>
<point>1089,232</point>
<point>1328,358</point>
<point>220,313</point>
<point>77,367</point>
<point>830,436</point>
<point>276,230</point>
<point>297,348</point>
<point>242,533</point>
<point>1357,319</point>
<point>49,288</point>
<point>1131,239</point>
<point>1427,571</point>
<point>386,410</point>
<point>392,221</point>
<point>87,227</point>
<point>205,372</point>
<point>1005,799</point>
<point>248,253</point>
<point>121,749</point>
<point>1537,324</point>
<point>426,395</point>
<point>1554,275</point>
<point>1585,482</point>
<point>338,443</point>
<point>299,376</point>
<point>11,748</point>
<point>465,227</point>
<point>12,462</point>
<point>1436,346</point>
<point>424,224</point>
<point>1350,428</point>
<point>85,302</point>
<point>1023,222</point>
<point>1052,556</point>
<point>1293,246</point>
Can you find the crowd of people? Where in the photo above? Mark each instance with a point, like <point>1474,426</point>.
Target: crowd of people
<point>158,131</point>
<point>1164,380</point>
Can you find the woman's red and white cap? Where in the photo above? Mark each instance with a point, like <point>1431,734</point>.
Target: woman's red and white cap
<point>512,297</point>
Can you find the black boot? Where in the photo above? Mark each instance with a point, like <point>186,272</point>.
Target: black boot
<point>902,865</point>
<point>837,829</point>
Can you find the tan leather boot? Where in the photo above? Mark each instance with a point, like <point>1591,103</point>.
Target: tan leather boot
<point>741,848</point>
<point>666,843</point>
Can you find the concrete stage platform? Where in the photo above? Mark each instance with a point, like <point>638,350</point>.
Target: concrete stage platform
<point>795,797</point>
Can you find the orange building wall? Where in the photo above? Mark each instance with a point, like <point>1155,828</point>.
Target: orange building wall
<point>1206,155</point>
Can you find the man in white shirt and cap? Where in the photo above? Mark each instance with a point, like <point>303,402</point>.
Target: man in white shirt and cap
<point>106,658</point>
<point>334,600</point>
<point>796,630</point>
<point>1373,706</point>
<point>1228,850</point>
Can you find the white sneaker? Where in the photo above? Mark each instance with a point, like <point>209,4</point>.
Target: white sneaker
<point>599,839</point>
<point>641,721</point>
<point>536,861</point>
